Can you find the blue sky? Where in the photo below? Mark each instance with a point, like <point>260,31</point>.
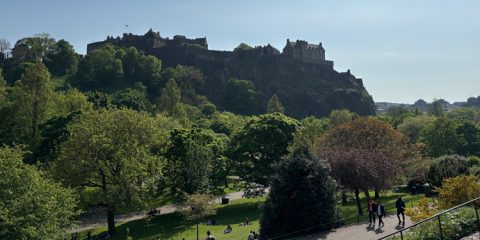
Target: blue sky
<point>403,50</point>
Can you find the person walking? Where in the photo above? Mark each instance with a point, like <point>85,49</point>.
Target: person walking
<point>251,236</point>
<point>400,205</point>
<point>380,209</point>
<point>371,211</point>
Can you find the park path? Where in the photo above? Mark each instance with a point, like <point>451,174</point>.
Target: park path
<point>360,231</point>
<point>98,218</point>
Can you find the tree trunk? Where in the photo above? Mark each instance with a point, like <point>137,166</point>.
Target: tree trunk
<point>197,231</point>
<point>377,193</point>
<point>344,198</point>
<point>367,195</point>
<point>357,197</point>
<point>111,221</point>
<point>226,182</point>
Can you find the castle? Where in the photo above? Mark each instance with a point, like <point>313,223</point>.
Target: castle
<point>152,43</point>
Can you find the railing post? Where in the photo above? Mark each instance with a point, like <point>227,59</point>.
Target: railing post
<point>440,226</point>
<point>401,235</point>
<point>476,212</point>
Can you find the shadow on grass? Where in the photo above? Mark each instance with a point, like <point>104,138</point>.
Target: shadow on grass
<point>168,225</point>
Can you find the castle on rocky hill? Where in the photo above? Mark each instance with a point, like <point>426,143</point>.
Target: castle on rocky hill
<point>181,48</point>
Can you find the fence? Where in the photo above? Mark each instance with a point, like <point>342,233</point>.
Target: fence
<point>452,223</point>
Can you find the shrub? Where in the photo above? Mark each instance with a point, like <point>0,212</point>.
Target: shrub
<point>457,190</point>
<point>446,167</point>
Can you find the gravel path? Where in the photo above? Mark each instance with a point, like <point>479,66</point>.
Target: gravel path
<point>97,218</point>
<point>475,236</point>
<point>360,231</point>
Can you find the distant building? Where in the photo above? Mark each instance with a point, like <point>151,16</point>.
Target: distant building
<point>304,51</point>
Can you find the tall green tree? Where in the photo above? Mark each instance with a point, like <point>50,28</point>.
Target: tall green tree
<point>195,161</point>
<point>169,101</point>
<point>109,157</point>
<point>261,143</point>
<point>274,105</point>
<point>61,59</point>
<point>440,137</point>
<point>341,116</point>
<point>32,98</point>
<point>31,205</point>
<point>412,127</point>
<point>3,90</point>
<point>436,109</point>
<point>302,196</point>
<point>446,167</point>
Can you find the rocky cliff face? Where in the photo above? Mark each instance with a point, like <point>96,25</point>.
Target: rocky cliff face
<point>305,89</point>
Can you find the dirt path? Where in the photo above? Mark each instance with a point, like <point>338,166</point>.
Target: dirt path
<point>98,218</point>
<point>360,231</point>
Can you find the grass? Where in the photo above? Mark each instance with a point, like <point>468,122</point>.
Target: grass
<point>173,226</point>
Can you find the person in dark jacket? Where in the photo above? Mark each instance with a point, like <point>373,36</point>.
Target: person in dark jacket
<point>380,210</point>
<point>371,211</point>
<point>400,205</point>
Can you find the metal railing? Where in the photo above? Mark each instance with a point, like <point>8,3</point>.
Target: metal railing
<point>436,217</point>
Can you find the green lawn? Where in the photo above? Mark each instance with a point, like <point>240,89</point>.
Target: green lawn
<point>173,226</point>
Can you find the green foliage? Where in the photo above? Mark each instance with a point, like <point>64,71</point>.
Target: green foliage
<point>473,161</point>
<point>240,96</point>
<point>32,99</point>
<point>413,126</point>
<point>100,99</point>
<point>189,80</point>
<point>109,157</point>
<point>440,137</point>
<point>61,58</point>
<point>464,114</point>
<point>398,114</point>
<point>446,167</point>
<point>65,103</point>
<point>195,161</point>
<point>274,105</point>
<point>133,99</point>
<point>3,90</point>
<point>197,207</point>
<point>31,205</point>
<point>341,116</point>
<point>262,142</point>
<point>242,46</point>
<point>310,129</point>
<point>36,47</point>
<point>227,123</point>
<point>436,109</point>
<point>169,101</point>
<point>290,208</point>
<point>469,139</point>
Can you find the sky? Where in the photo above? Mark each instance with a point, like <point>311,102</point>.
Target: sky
<point>403,50</point>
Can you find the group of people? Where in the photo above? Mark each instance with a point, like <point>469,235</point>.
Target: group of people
<point>376,209</point>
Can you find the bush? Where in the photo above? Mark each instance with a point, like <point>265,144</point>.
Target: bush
<point>446,167</point>
<point>458,190</point>
<point>473,161</point>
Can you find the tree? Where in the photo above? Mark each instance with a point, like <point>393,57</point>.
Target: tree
<point>436,109</point>
<point>109,157</point>
<point>262,142</point>
<point>197,207</point>
<point>413,126</point>
<point>372,136</point>
<point>274,105</point>
<point>61,59</point>
<point>65,103</point>
<point>302,196</point>
<point>310,129</point>
<point>31,205</point>
<point>132,98</point>
<point>457,190</point>
<point>4,48</point>
<point>240,96</point>
<point>446,167</point>
<point>341,116</point>
<point>32,97</point>
<point>440,137</point>
<point>37,47</point>
<point>469,139</point>
<point>169,101</point>
<point>3,90</point>
<point>195,160</point>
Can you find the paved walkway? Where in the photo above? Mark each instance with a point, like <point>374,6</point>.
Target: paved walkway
<point>475,236</point>
<point>360,231</point>
<point>98,218</point>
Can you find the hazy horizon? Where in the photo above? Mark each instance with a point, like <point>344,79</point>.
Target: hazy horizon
<point>403,51</point>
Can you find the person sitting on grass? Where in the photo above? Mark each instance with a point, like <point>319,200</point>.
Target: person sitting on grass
<point>209,236</point>
<point>228,229</point>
